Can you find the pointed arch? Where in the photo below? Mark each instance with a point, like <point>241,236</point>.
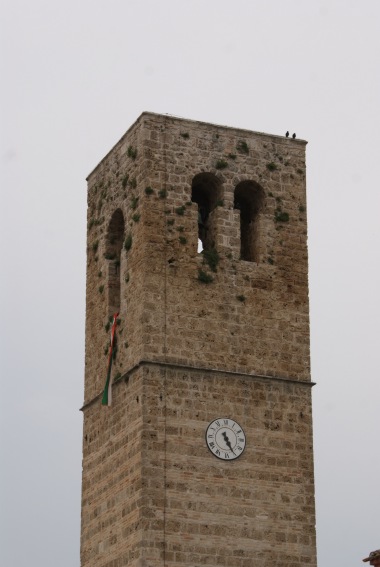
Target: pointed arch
<point>249,200</point>
<point>114,244</point>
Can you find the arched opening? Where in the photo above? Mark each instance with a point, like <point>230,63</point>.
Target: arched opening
<point>249,199</point>
<point>206,192</point>
<point>114,243</point>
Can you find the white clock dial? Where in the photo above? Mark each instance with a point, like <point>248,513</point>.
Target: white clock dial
<point>225,438</point>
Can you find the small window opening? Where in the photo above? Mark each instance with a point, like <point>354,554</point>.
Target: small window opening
<point>249,198</point>
<point>206,190</point>
<point>114,244</point>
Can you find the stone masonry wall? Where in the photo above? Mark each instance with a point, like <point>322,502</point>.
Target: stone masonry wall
<point>154,495</point>
<point>112,481</point>
<point>257,510</point>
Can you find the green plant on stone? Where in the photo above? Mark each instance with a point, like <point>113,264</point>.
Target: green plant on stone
<point>241,298</point>
<point>242,147</point>
<point>271,166</point>
<point>132,152</point>
<point>162,193</point>
<point>134,202</point>
<point>221,164</point>
<point>124,182</point>
<point>211,257</point>
<point>180,210</point>
<point>136,217</point>
<point>185,135</point>
<point>204,277</point>
<point>148,190</point>
<point>281,216</point>
<point>128,242</point>
<point>183,239</point>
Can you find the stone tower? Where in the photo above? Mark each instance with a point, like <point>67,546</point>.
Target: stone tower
<point>205,456</point>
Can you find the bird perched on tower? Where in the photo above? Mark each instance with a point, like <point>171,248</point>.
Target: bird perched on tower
<point>293,136</point>
<point>287,134</point>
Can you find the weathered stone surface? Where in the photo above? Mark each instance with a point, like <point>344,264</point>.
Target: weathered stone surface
<point>189,352</point>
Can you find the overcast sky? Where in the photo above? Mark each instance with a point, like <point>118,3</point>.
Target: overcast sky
<point>75,76</point>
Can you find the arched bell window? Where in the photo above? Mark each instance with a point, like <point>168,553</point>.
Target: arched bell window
<point>206,192</point>
<point>114,243</point>
<point>249,199</point>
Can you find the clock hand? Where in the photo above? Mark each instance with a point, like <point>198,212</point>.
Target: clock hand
<point>227,441</point>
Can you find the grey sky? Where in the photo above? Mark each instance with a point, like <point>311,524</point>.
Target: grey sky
<point>75,75</point>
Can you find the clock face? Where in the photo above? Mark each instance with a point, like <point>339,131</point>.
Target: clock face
<point>225,438</point>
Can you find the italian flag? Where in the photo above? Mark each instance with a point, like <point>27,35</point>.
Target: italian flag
<point>107,394</point>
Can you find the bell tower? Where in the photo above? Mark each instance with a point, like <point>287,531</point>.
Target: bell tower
<point>197,240</point>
